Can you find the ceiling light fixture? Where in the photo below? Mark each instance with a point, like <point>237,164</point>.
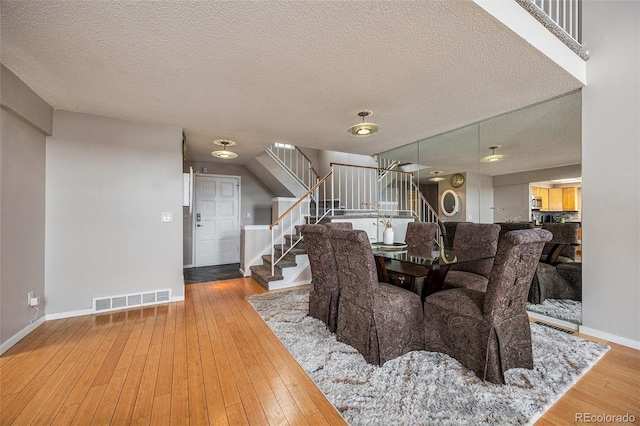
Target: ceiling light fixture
<point>224,153</point>
<point>436,178</point>
<point>363,129</point>
<point>493,157</point>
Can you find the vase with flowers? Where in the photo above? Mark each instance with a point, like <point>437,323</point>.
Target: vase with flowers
<point>385,219</point>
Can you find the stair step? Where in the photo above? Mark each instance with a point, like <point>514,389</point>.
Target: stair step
<point>284,262</point>
<point>292,253</point>
<point>262,275</point>
<point>290,239</point>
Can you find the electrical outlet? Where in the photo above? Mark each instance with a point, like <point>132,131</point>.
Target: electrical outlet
<point>29,297</point>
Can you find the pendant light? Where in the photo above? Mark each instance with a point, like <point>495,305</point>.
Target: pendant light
<point>493,157</point>
<point>224,153</point>
<point>363,129</point>
<point>436,178</point>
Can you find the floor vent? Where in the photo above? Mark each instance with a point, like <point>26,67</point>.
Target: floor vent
<point>564,330</point>
<point>112,303</point>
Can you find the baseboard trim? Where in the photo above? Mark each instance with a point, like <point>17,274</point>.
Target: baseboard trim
<point>21,334</point>
<point>61,315</point>
<point>69,314</point>
<point>555,321</point>
<point>634,344</point>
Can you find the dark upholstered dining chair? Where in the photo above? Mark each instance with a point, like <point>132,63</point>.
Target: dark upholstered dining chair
<point>489,332</point>
<point>339,225</point>
<point>324,292</point>
<point>380,320</point>
<point>450,232</point>
<point>560,278</point>
<point>473,240</point>
<point>513,226</point>
<point>563,233</point>
<point>420,238</point>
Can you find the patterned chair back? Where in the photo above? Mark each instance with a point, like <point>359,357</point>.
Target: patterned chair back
<point>325,292</point>
<point>474,240</point>
<point>420,238</point>
<point>339,225</point>
<point>357,273</point>
<point>513,268</point>
<point>513,226</point>
<point>564,233</point>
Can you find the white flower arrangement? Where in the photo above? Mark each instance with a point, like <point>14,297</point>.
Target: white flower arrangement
<point>503,212</point>
<point>385,218</point>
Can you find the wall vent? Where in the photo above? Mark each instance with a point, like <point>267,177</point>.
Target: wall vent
<point>123,301</point>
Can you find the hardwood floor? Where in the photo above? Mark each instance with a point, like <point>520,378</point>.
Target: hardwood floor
<point>211,360</point>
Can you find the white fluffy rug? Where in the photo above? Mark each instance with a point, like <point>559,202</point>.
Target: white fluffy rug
<point>564,309</point>
<point>424,388</point>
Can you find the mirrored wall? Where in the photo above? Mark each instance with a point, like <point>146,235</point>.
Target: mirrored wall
<point>510,168</point>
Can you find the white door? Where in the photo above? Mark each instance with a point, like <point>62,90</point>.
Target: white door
<point>217,220</point>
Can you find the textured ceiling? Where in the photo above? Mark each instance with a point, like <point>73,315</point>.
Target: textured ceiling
<point>272,71</point>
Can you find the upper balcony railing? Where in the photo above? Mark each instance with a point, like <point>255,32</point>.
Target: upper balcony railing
<point>565,13</point>
<point>562,18</point>
<point>295,162</point>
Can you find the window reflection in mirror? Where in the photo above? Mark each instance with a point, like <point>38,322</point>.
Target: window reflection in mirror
<point>542,143</point>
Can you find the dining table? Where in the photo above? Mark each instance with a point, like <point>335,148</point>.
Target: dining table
<point>423,275</point>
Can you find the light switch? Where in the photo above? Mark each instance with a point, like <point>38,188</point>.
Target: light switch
<point>248,215</point>
<point>166,217</point>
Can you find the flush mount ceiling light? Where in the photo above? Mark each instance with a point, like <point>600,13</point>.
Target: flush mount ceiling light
<point>436,178</point>
<point>224,154</point>
<point>363,129</point>
<point>493,157</point>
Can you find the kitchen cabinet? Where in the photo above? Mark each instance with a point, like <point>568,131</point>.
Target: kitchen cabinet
<point>555,199</point>
<point>569,199</point>
<point>544,196</point>
<point>543,193</point>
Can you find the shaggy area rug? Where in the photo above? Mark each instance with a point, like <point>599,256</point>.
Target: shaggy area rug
<point>424,388</point>
<point>564,309</point>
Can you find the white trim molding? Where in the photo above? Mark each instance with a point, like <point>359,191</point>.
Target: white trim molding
<point>609,337</point>
<point>555,321</point>
<point>21,334</point>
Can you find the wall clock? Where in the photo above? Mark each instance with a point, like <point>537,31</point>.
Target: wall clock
<point>456,180</point>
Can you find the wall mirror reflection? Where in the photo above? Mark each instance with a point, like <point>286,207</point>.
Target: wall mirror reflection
<point>449,203</point>
<point>522,167</point>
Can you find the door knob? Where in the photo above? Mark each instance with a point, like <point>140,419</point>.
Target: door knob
<point>198,225</point>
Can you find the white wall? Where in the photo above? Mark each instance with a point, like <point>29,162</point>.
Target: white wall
<point>610,172</point>
<point>108,181</point>
<point>514,202</point>
<point>25,121</point>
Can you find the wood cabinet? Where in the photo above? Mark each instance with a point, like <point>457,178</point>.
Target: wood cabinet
<point>558,199</point>
<point>555,200</point>
<point>544,196</point>
<point>569,199</point>
<point>543,193</point>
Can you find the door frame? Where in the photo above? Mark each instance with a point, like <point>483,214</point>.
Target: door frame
<point>193,213</point>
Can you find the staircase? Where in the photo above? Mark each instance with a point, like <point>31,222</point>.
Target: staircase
<point>296,255</point>
<point>339,194</point>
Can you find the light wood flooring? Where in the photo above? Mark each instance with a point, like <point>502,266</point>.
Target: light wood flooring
<point>210,360</point>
